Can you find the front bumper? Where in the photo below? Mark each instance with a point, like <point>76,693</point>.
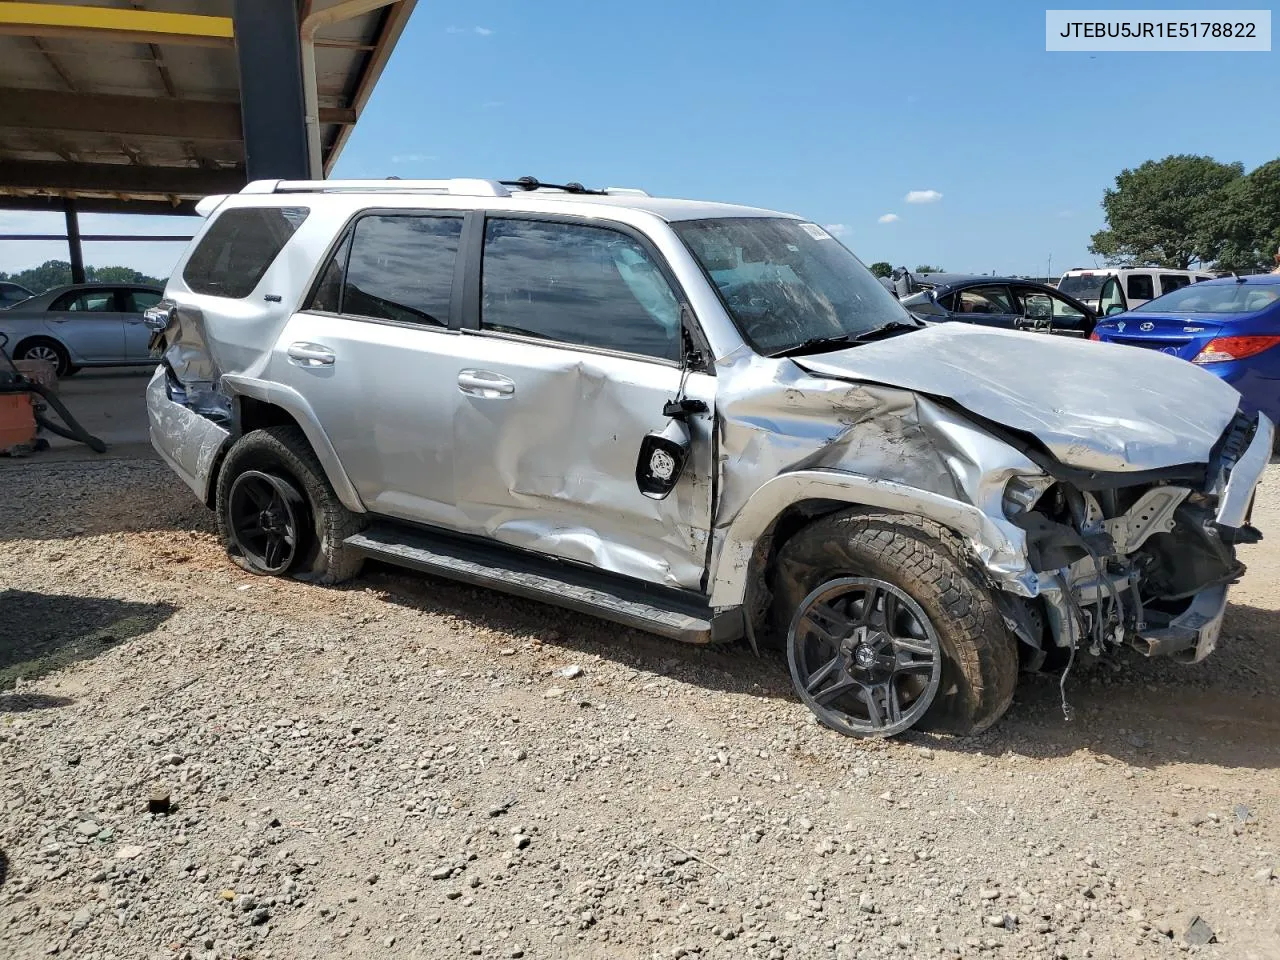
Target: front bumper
<point>189,443</point>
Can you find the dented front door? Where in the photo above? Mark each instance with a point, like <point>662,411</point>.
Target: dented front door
<point>545,446</point>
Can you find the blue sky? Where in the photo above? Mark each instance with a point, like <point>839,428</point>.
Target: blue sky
<point>835,110</point>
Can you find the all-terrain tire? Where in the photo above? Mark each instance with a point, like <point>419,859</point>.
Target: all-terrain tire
<point>927,561</point>
<point>284,451</point>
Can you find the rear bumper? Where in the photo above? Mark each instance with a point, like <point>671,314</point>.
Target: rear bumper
<point>189,443</point>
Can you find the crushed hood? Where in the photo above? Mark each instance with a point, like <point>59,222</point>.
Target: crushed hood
<point>1095,406</point>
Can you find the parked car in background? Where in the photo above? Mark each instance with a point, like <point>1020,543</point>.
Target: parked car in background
<point>702,420</point>
<point>1230,327</point>
<point>1005,302</point>
<point>1139,284</point>
<point>11,293</point>
<point>83,325</point>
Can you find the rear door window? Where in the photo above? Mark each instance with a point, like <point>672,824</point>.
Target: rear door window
<point>393,267</point>
<point>238,248</point>
<point>135,301</point>
<point>1140,286</point>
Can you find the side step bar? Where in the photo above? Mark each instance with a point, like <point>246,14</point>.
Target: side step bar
<point>536,579</point>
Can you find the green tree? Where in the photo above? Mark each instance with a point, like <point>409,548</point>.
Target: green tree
<point>925,268</point>
<point>1161,213</point>
<point>1244,230</point>
<point>57,273</point>
<point>882,269</point>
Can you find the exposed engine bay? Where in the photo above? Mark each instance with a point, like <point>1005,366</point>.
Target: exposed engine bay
<point>1141,565</point>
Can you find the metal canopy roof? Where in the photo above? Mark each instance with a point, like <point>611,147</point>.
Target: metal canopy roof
<point>135,104</point>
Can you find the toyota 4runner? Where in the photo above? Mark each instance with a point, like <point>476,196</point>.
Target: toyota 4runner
<point>701,420</point>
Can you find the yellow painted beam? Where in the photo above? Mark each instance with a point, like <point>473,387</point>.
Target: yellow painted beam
<point>111,23</point>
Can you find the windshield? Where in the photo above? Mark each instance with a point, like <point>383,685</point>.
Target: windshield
<point>787,282</point>
<point>1083,288</point>
<point>1214,298</point>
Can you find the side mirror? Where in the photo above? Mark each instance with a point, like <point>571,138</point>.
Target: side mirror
<point>663,455</point>
<point>1114,309</point>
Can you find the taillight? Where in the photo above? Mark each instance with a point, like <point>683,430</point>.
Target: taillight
<point>1220,349</point>
<point>1095,335</point>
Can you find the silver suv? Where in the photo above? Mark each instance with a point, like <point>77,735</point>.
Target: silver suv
<point>701,420</point>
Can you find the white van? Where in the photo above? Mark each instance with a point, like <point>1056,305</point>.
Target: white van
<point>1139,284</point>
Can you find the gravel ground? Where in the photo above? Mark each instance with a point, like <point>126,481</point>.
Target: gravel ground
<point>411,768</point>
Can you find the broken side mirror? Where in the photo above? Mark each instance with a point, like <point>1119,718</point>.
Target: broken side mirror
<point>663,455</point>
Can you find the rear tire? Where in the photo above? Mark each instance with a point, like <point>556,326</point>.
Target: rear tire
<point>45,348</point>
<point>922,559</point>
<point>279,461</point>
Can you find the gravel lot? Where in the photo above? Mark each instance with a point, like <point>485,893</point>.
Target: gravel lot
<point>411,768</point>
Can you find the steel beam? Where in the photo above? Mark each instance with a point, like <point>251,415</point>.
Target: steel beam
<point>164,206</point>
<point>271,98</point>
<point>73,241</point>
<point>118,178</point>
<point>110,23</point>
<point>132,116</point>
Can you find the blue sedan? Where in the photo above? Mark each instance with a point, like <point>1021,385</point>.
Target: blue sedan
<point>1230,327</point>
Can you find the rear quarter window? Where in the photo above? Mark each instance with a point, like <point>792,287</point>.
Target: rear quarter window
<point>238,247</point>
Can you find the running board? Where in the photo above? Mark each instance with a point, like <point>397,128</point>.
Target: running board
<point>537,579</point>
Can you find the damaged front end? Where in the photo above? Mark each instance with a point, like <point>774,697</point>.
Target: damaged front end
<point>1144,564</point>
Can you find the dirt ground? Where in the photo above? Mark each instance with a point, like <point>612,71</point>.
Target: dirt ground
<point>404,767</point>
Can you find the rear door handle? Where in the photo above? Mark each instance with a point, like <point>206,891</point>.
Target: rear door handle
<point>483,383</point>
<point>311,355</point>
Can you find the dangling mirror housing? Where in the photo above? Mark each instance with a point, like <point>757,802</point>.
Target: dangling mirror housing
<point>663,455</point>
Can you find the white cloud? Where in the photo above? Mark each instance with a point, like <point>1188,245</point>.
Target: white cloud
<point>414,158</point>
<point>889,218</point>
<point>923,196</point>
<point>836,229</point>
<point>484,31</point>
<point>479,31</point>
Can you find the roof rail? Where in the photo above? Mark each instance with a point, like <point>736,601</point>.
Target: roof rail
<point>626,192</point>
<point>458,186</point>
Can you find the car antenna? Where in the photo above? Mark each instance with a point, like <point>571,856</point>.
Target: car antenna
<point>1236,277</point>
<point>533,183</point>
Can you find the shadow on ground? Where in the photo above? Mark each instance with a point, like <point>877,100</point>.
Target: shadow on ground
<point>723,667</point>
<point>1224,711</point>
<point>42,632</point>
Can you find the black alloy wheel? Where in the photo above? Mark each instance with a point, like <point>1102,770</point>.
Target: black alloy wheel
<point>864,657</point>
<point>266,517</point>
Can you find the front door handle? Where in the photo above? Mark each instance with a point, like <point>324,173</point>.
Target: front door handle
<point>482,383</point>
<point>311,355</point>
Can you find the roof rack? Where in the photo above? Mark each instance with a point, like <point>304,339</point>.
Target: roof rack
<point>457,186</point>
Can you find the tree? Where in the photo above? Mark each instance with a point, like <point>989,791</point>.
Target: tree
<point>57,273</point>
<point>925,268</point>
<point>1161,213</point>
<point>1245,229</point>
<point>882,269</point>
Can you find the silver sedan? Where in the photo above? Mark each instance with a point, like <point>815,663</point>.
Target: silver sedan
<point>85,325</point>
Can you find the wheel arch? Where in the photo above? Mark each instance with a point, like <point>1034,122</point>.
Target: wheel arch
<point>41,334</point>
<point>787,503</point>
<point>257,405</point>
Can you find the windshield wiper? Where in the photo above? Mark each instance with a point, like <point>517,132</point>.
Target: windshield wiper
<point>811,345</point>
<point>880,332</point>
<point>817,344</point>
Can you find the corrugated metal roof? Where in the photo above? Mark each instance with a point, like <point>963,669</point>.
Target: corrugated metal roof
<point>58,123</point>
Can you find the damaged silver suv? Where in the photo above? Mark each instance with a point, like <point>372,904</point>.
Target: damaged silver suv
<point>701,420</point>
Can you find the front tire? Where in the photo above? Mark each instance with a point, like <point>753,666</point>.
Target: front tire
<point>903,626</point>
<point>278,514</point>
